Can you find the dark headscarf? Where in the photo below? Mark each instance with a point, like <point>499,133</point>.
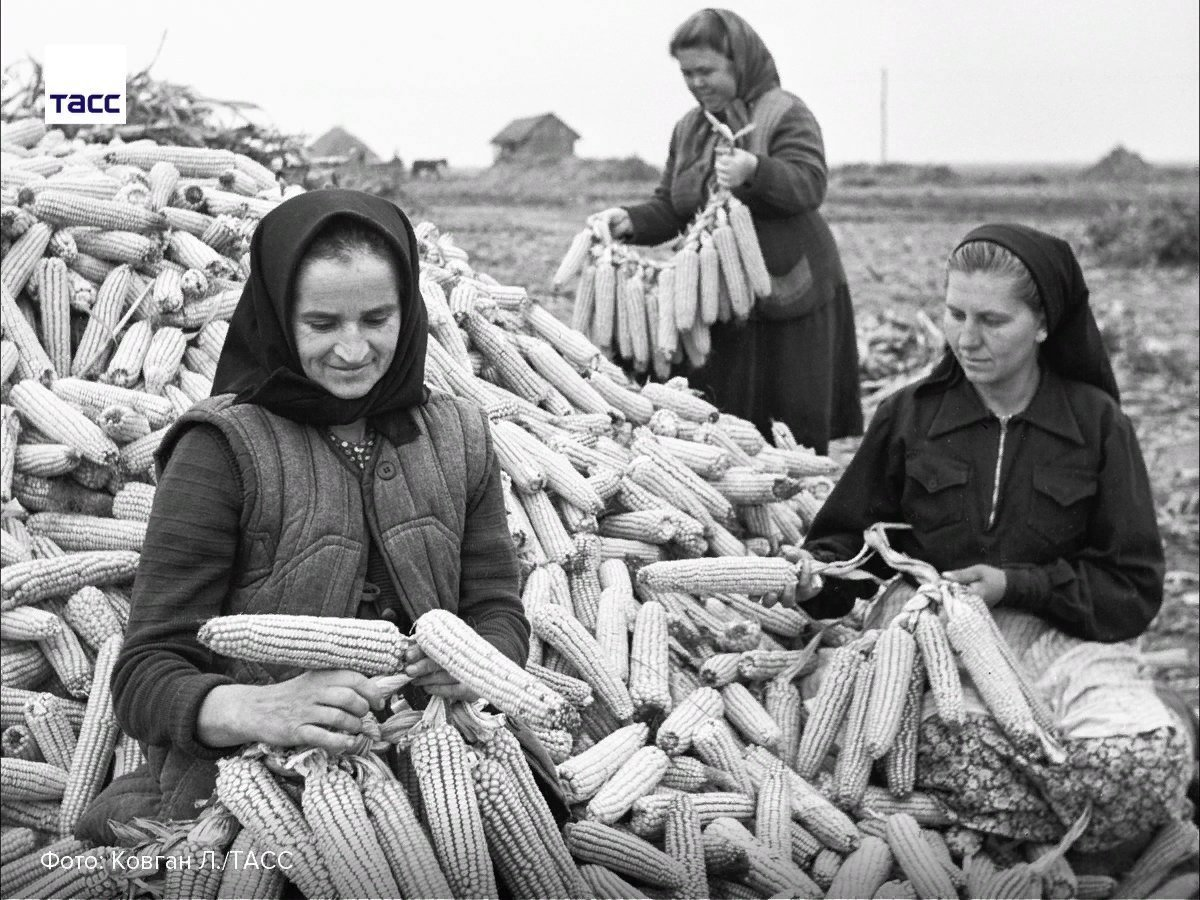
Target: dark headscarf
<point>259,362</point>
<point>1073,347</point>
<point>754,69</point>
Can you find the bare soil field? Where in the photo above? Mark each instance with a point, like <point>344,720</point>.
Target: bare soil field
<point>894,240</point>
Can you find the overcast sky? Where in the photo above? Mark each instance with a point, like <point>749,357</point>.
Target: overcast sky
<point>1006,81</point>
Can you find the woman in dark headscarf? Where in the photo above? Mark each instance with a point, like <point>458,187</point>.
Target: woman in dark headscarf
<point>1020,477</point>
<point>321,478</point>
<point>796,359</point>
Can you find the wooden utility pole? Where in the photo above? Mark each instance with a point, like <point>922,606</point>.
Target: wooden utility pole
<point>883,92</point>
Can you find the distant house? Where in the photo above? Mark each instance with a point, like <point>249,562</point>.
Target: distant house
<point>337,145</point>
<point>535,138</point>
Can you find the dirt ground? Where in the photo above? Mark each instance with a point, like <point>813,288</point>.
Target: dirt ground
<point>894,241</point>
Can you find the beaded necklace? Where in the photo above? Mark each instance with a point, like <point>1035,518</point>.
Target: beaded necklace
<point>358,452</point>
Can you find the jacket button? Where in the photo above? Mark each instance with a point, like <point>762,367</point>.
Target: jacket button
<point>389,615</point>
<point>387,470</point>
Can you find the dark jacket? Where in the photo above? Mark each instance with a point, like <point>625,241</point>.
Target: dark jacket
<point>303,524</point>
<point>1074,527</point>
<point>783,197</point>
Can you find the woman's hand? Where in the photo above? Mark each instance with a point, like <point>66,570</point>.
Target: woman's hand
<point>986,581</point>
<point>428,675</point>
<point>616,221</point>
<point>315,709</point>
<point>735,167</point>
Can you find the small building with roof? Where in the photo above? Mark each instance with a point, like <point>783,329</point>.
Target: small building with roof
<point>535,138</point>
<point>337,146</point>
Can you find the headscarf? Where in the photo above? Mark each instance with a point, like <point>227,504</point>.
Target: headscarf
<point>1073,347</point>
<point>755,72</point>
<point>259,362</point>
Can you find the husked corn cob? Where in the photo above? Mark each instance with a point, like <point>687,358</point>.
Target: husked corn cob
<point>650,812</point>
<point>118,246</point>
<point>370,647</point>
<point>517,850</point>
<point>828,709</point>
<point>64,209</point>
<point>624,853</point>
<point>916,858</point>
<point>127,756</point>
<point>584,774</point>
<point>612,635</point>
<point>38,579</point>
<point>45,460</point>
<point>768,872</point>
<point>31,358</point>
<point>629,403</point>
<point>826,822</point>
<point>684,841</point>
<point>900,761</point>
<point>28,623</point>
<point>238,879</point>
<point>782,701</point>
<point>688,774</point>
<point>686,289</point>
<point>333,807</point>
<point>163,357</point>
<point>24,779</point>
<point>15,843</point>
<point>569,637</point>
<point>22,257</point>
<point>97,738</point>
<point>471,660</point>
<point>925,808</point>
<point>754,576</point>
<point>675,734</point>
<point>249,790</point>
<point>70,661</point>
<point>940,666</point>
<point>576,255</point>
<point>636,777</point>
<point>749,717</point>
<point>441,761</point>
<point>1173,843</point>
<point>190,162</point>
<point>133,501</point>
<point>742,225</point>
<point>606,884</point>
<point>578,692</point>
<point>95,397</point>
<point>772,823</point>
<point>76,532</point>
<point>864,871</point>
<point>125,365</point>
<point>88,612</point>
<point>649,663</point>
<point>893,658</point>
<point>709,280</point>
<point>714,743</point>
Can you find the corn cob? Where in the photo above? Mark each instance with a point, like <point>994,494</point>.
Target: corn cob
<point>650,812</point>
<point>742,225</point>
<point>240,879</point>
<point>769,873</point>
<point>94,397</point>
<point>686,289</point>
<point>70,661</point>
<point>714,743</point>
<point>1174,842</point>
<point>24,779</point>
<point>10,434</point>
<point>333,807</point>
<point>569,637</point>
<point>925,808</point>
<point>630,404</point>
<point>1096,887</point>
<point>916,858</point>
<point>15,843</point>
<point>75,532</point>
<point>118,246</point>
<point>752,576</point>
<point>552,535</point>
<point>163,357</point>
<point>606,884</point>
<point>624,853</point>
<point>190,162</point>
<point>573,262</point>
<point>993,677</point>
<point>125,365</point>
<point>518,852</point>
<point>313,642</point>
<point>690,775</point>
<point>28,623</point>
<point>133,502</point>
<point>749,717</point>
<point>443,771</point>
<point>97,738</point>
<point>900,761</point>
<point>940,666</point>
<point>41,578</point>
<point>45,460</point>
<point>22,257</point>
<point>88,876</point>
<point>471,660</point>
<point>648,663</point>
<point>828,709</point>
<point>13,701</point>
<point>249,790</point>
<point>826,822</point>
<point>584,774</point>
<point>636,777</point>
<point>64,209</point>
<point>733,274</point>
<point>18,874</point>
<point>127,756</point>
<point>782,702</point>
<point>559,373</point>
<point>612,636</point>
<point>772,824</point>
<point>88,612</point>
<point>893,658</point>
<point>675,734</point>
<point>32,360</point>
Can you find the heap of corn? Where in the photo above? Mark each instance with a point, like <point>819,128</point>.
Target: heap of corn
<point>650,527</point>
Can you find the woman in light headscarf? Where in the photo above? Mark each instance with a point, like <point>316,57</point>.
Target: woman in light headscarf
<point>1021,478</point>
<point>796,359</point>
<point>321,478</point>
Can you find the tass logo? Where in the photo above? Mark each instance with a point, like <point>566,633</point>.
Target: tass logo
<point>85,84</point>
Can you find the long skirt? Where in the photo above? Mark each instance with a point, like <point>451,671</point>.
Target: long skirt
<point>802,372</point>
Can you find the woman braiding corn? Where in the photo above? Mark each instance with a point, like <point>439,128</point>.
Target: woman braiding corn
<point>795,359</point>
<point>1020,478</point>
<point>322,478</point>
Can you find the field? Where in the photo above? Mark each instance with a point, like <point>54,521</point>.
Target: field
<point>894,238</point>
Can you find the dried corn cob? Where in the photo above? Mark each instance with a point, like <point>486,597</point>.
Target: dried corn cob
<point>636,777</point>
<point>649,663</point>
<point>568,636</point>
<point>624,853</point>
<point>313,642</point>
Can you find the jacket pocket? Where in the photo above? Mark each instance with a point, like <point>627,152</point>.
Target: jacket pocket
<point>1061,502</point>
<point>935,491</point>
